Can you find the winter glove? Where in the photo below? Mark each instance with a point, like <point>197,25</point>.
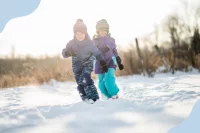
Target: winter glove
<point>120,65</point>
<point>66,53</point>
<point>106,49</point>
<point>63,53</point>
<point>104,66</point>
<point>69,53</point>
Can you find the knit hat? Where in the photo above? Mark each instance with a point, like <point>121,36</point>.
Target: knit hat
<point>102,24</point>
<point>79,26</point>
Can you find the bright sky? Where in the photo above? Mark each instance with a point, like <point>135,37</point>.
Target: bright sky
<point>50,26</point>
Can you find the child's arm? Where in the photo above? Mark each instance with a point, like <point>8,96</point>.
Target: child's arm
<point>67,51</point>
<point>119,61</point>
<point>96,41</point>
<point>97,53</point>
<point>115,52</point>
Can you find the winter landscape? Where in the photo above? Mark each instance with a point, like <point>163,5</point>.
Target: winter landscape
<point>146,105</point>
<point>149,50</point>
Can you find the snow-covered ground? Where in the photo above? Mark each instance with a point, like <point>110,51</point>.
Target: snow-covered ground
<point>147,105</point>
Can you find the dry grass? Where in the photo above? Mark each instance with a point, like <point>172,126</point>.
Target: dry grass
<point>19,72</point>
<point>152,60</point>
<point>133,64</point>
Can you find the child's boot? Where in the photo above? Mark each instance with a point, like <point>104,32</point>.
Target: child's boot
<point>115,97</point>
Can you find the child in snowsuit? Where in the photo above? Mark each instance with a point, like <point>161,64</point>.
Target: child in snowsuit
<point>83,52</point>
<point>106,44</point>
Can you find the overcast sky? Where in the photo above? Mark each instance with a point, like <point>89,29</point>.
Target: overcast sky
<point>50,26</point>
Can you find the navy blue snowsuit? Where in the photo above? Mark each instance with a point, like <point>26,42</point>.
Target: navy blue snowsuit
<point>82,65</point>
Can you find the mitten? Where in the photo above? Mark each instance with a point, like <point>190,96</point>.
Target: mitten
<point>104,66</point>
<point>120,65</point>
<point>69,53</point>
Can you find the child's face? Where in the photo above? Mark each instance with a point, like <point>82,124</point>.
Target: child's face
<point>103,33</point>
<point>80,36</point>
